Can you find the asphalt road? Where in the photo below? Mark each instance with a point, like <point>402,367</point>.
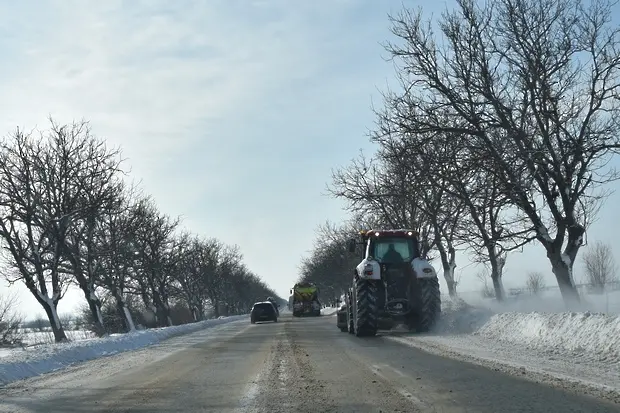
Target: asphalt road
<point>295,365</point>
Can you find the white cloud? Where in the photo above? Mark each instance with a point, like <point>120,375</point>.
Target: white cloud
<point>153,76</point>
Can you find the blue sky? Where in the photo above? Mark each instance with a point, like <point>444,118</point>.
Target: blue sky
<point>232,113</point>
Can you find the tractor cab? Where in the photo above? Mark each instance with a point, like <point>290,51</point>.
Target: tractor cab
<point>388,246</point>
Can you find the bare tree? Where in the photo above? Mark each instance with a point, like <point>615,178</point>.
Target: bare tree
<point>81,181</point>
<point>28,229</point>
<point>388,188</point>
<point>486,226</point>
<point>187,274</point>
<point>10,322</point>
<point>531,86</point>
<point>196,271</point>
<point>535,282</point>
<point>487,291</point>
<point>408,177</point>
<point>115,236</point>
<point>40,324</point>
<point>154,240</point>
<point>600,266</point>
<point>329,265</point>
<point>67,217</point>
<point>362,185</point>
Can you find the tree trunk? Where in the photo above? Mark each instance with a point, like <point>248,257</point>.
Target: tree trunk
<point>162,310</point>
<point>562,263</point>
<point>448,263</point>
<point>94,305</point>
<point>57,328</point>
<point>216,307</point>
<point>50,307</point>
<point>123,311</point>
<point>563,271</point>
<point>497,271</point>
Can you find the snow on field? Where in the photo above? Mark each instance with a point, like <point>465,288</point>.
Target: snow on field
<point>31,361</point>
<point>534,338</point>
<point>31,338</point>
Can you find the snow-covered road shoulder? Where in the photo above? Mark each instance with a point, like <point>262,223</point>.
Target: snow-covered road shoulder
<point>36,360</point>
<point>582,336</point>
<point>329,311</point>
<point>576,351</point>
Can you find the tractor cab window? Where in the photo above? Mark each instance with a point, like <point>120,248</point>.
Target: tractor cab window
<point>394,250</point>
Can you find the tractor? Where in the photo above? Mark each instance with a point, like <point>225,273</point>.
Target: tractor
<point>392,285</point>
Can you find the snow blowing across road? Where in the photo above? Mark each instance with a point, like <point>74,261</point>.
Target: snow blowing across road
<point>32,361</point>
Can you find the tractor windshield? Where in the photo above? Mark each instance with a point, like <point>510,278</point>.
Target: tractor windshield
<point>394,250</point>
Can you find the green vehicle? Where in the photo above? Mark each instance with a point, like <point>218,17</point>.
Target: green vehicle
<point>305,300</point>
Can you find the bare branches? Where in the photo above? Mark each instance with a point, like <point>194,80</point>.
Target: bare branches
<point>526,91</point>
<point>600,266</point>
<point>500,132</point>
<point>10,322</point>
<point>535,282</point>
<point>67,217</point>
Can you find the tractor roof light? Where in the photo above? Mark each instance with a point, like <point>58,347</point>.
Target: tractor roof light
<point>376,234</point>
<point>410,233</point>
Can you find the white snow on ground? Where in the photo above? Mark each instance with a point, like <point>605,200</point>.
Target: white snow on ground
<point>582,349</point>
<point>329,311</point>
<point>31,361</point>
<point>584,336</point>
<point>30,338</point>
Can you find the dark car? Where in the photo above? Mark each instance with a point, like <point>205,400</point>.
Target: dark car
<point>263,311</point>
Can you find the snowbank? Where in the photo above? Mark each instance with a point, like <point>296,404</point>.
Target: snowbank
<point>584,335</point>
<point>37,360</point>
<point>572,350</point>
<point>31,338</point>
<point>329,311</point>
<point>588,336</point>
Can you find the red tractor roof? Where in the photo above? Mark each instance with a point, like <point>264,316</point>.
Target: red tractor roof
<point>405,233</point>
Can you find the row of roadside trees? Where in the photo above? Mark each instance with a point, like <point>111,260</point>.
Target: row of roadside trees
<point>69,217</point>
<point>500,134</point>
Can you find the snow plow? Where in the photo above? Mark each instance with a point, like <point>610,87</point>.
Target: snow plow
<point>306,300</point>
<point>393,284</point>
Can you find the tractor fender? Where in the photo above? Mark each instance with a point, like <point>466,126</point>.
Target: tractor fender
<point>368,270</point>
<point>423,268</point>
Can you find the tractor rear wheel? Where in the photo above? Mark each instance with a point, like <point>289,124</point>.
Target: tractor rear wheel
<point>430,304</point>
<point>366,307</point>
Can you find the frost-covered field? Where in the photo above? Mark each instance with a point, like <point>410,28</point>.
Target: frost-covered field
<point>31,338</point>
<point>21,363</point>
<point>535,337</point>
<point>37,338</point>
